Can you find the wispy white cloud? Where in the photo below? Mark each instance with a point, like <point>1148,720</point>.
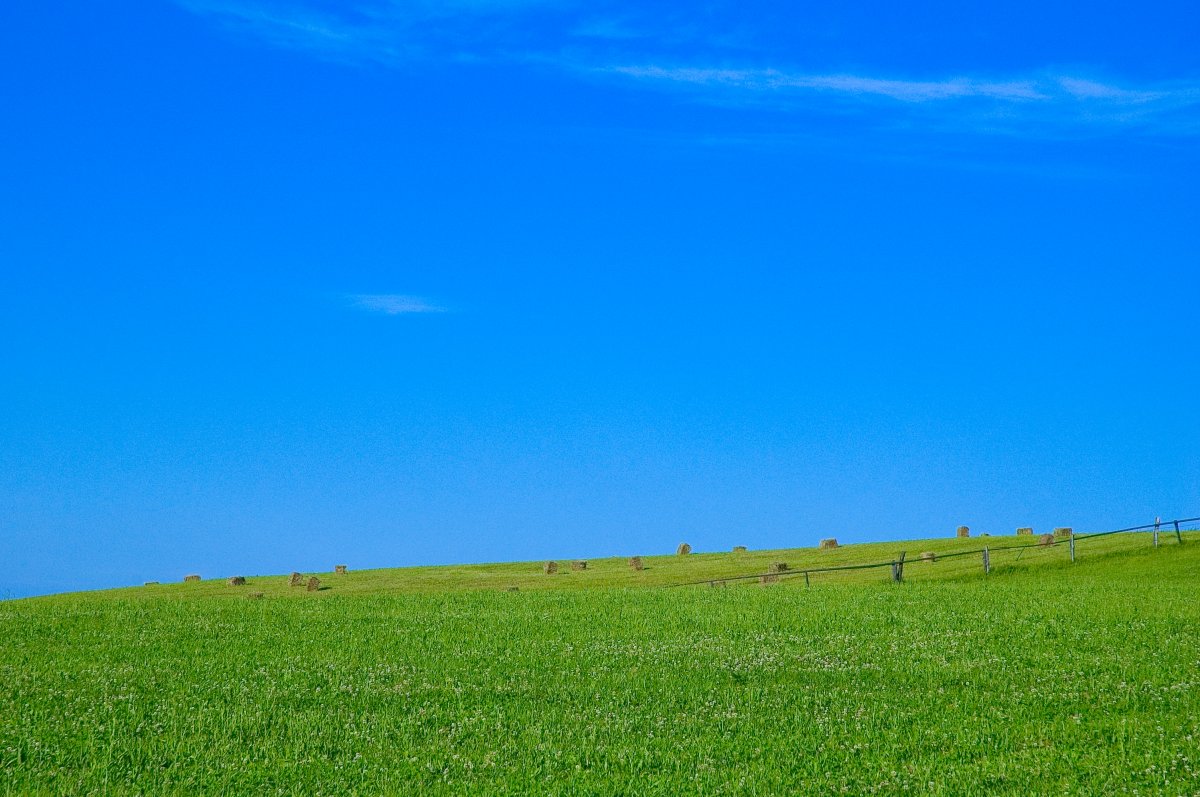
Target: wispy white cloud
<point>301,28</point>
<point>763,80</point>
<point>619,48</point>
<point>1093,90</point>
<point>1041,105</point>
<point>394,303</point>
<point>393,33</point>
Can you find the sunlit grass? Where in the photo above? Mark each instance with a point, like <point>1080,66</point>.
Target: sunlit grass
<point>1042,678</point>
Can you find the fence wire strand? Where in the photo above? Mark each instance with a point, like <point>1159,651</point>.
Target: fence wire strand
<point>1000,556</point>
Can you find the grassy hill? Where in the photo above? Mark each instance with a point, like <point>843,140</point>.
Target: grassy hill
<point>1044,677</point>
<point>671,570</point>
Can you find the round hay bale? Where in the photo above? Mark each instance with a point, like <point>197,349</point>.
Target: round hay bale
<point>1024,530</point>
<point>151,584</point>
<point>339,570</point>
<point>739,549</point>
<point>777,567</point>
<point>963,531</point>
<point>683,550</point>
<point>1062,532</point>
<point>829,542</point>
<point>514,589</point>
<point>928,556</point>
<point>254,596</point>
<point>191,577</point>
<point>296,580</point>
<point>550,568</point>
<point>768,579</point>
<point>314,584</point>
<point>580,564</point>
<point>635,563</point>
<point>237,581</point>
<point>1046,539</point>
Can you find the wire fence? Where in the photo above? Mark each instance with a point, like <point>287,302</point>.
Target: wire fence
<point>961,562</point>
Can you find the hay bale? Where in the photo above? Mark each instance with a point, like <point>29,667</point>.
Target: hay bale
<point>716,584</point>
<point>768,579</point>
<point>550,568</point>
<point>635,563</point>
<point>963,531</point>
<point>514,589</point>
<point>151,583</point>
<point>190,577</point>
<point>683,550</point>
<point>777,567</point>
<point>296,580</point>
<point>739,549</point>
<point>580,564</point>
<point>237,581</point>
<point>1046,539</point>
<point>928,556</point>
<point>254,596</point>
<point>829,542</point>
<point>314,584</point>
<point>339,570</point>
<point>1062,532</point>
<point>1024,530</point>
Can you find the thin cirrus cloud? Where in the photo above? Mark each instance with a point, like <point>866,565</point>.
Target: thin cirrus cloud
<point>1050,103</point>
<point>394,303</point>
<point>536,33</point>
<point>773,80</point>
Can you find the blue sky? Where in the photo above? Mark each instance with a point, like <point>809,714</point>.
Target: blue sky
<point>285,284</point>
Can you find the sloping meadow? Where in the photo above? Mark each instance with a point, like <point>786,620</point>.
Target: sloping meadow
<point>1080,680</point>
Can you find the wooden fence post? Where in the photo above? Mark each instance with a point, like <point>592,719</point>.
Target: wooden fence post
<point>987,561</point>
<point>1071,541</point>
<point>806,578</point>
<point>1178,536</point>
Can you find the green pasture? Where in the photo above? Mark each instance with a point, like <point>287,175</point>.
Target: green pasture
<point>1044,677</point>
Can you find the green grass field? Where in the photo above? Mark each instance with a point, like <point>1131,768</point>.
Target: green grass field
<point>1044,677</point>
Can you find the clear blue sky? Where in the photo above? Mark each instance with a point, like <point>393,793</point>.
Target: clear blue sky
<point>285,284</point>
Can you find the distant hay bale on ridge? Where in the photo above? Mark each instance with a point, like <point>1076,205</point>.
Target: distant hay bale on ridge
<point>739,549</point>
<point>237,581</point>
<point>777,567</point>
<point>339,570</point>
<point>964,531</point>
<point>635,563</point>
<point>550,568</point>
<point>314,584</point>
<point>190,577</point>
<point>928,556</point>
<point>829,542</point>
<point>1046,539</point>
<point>1024,530</point>
<point>296,580</point>
<point>683,550</point>
<point>1062,532</point>
<point>579,564</point>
